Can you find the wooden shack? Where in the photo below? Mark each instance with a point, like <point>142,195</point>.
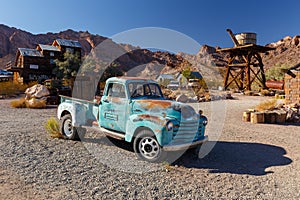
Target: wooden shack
<point>30,65</point>
<point>38,64</point>
<point>67,46</point>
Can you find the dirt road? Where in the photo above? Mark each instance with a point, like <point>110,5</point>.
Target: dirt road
<point>248,161</point>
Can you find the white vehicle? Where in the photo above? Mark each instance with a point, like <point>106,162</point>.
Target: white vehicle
<point>173,85</point>
<point>193,83</point>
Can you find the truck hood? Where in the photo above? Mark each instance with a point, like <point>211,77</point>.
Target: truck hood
<point>163,108</point>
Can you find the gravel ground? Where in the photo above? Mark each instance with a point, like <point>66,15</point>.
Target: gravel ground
<point>249,161</point>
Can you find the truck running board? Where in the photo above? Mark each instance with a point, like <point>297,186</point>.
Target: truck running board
<point>112,134</point>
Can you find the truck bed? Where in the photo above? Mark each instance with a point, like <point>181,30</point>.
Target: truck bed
<point>86,111</point>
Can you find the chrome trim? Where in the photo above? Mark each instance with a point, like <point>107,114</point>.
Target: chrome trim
<point>186,146</point>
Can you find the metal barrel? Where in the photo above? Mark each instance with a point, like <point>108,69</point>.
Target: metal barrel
<point>246,38</point>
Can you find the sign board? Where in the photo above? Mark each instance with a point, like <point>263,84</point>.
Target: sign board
<point>33,66</point>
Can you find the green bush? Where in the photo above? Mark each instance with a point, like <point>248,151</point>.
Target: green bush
<point>276,72</point>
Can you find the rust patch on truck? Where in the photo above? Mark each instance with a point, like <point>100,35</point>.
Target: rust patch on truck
<point>114,100</point>
<point>151,118</point>
<point>149,104</point>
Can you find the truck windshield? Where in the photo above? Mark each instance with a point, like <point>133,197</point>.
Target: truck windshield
<point>146,90</point>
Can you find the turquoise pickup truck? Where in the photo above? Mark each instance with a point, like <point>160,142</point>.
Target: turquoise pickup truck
<point>135,110</point>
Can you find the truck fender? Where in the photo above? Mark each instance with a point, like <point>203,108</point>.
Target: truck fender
<point>76,110</point>
<point>137,122</point>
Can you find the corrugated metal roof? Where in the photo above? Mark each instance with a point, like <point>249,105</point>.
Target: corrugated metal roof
<point>196,74</point>
<point>30,52</point>
<point>5,72</point>
<point>48,47</point>
<point>68,43</point>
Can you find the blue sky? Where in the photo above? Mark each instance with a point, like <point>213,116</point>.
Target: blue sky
<point>204,21</point>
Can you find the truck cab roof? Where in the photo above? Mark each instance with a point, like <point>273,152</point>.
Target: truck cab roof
<point>125,79</point>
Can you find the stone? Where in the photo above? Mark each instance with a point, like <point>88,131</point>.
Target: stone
<point>37,91</point>
<point>182,98</point>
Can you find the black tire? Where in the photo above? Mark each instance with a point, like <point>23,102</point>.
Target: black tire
<point>147,148</point>
<point>68,130</point>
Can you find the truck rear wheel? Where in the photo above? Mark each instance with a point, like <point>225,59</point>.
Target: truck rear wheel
<point>147,148</point>
<point>68,130</point>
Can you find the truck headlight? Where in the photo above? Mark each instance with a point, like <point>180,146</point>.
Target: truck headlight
<point>204,120</point>
<point>169,126</point>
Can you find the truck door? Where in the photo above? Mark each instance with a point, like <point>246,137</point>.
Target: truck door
<point>114,105</point>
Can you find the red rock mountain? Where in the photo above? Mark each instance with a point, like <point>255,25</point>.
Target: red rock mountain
<point>12,38</point>
<point>287,51</point>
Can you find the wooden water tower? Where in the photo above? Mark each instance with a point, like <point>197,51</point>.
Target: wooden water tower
<point>245,65</point>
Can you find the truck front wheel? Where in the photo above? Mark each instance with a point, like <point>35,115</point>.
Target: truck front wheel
<point>68,130</point>
<point>147,148</point>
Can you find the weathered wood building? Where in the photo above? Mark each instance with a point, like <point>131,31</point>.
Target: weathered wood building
<point>292,86</point>
<point>38,64</point>
<point>67,46</point>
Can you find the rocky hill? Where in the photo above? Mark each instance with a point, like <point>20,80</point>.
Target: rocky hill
<point>13,38</point>
<point>287,52</point>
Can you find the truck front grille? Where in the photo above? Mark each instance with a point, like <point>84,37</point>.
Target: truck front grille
<point>187,132</point>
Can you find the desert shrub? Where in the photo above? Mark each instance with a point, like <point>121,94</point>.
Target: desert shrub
<point>36,104</point>
<point>265,93</point>
<point>33,103</point>
<point>19,103</point>
<point>207,97</point>
<point>164,83</point>
<point>200,92</point>
<point>13,88</point>
<point>248,93</point>
<point>52,128</point>
<point>267,105</point>
<point>276,72</point>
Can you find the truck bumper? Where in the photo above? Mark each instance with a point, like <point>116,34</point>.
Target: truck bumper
<point>186,146</point>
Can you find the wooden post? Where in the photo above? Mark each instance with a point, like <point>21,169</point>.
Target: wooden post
<point>226,78</point>
<point>248,87</point>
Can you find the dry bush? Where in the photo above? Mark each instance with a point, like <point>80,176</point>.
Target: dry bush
<point>33,103</point>
<point>200,92</point>
<point>267,105</point>
<point>265,93</point>
<point>20,103</point>
<point>207,97</point>
<point>52,127</point>
<point>13,88</point>
<point>248,93</point>
<point>36,104</point>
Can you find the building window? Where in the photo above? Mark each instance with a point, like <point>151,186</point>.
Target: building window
<point>52,54</point>
<point>52,61</point>
<point>31,66</point>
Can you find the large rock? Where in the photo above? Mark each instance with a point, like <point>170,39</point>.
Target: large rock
<point>295,40</point>
<point>37,91</point>
<point>182,98</point>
